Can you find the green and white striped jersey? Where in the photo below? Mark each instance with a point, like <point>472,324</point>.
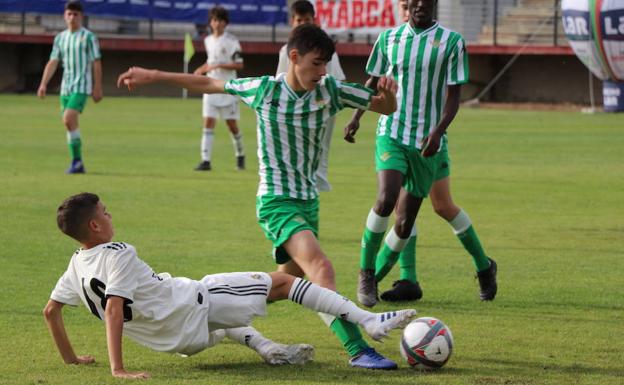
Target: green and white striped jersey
<point>76,51</point>
<point>291,127</point>
<point>423,64</point>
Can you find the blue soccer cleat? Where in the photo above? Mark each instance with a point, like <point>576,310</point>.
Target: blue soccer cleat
<point>76,167</point>
<point>370,359</point>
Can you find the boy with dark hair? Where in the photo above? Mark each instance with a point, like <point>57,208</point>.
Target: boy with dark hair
<point>302,12</point>
<point>291,111</point>
<point>78,50</point>
<point>224,58</point>
<point>178,315</point>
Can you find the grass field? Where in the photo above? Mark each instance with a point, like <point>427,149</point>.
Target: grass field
<point>544,189</point>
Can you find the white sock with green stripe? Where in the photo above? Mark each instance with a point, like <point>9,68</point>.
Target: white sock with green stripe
<point>206,144</point>
<point>326,301</point>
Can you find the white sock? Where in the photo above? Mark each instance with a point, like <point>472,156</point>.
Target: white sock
<point>327,301</point>
<point>73,135</point>
<point>206,144</point>
<point>376,223</point>
<point>247,336</point>
<point>461,222</point>
<point>395,243</point>
<point>237,142</point>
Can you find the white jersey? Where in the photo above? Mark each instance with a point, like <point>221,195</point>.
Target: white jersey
<point>221,50</point>
<point>333,66</point>
<point>163,313</point>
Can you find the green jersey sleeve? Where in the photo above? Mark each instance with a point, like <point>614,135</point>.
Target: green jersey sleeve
<point>93,48</point>
<point>354,95</point>
<point>457,70</point>
<point>247,89</point>
<point>377,64</point>
<point>56,48</point>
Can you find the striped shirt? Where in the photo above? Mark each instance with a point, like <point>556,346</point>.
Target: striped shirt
<point>76,51</point>
<point>290,128</point>
<point>423,64</point>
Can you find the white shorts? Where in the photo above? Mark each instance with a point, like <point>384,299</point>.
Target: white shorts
<point>236,298</point>
<point>220,106</point>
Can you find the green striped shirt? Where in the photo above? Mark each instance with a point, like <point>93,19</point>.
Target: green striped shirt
<point>76,51</point>
<point>423,64</point>
<point>291,127</point>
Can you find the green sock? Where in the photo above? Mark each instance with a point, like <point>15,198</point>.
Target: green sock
<point>385,261</point>
<point>370,246</point>
<point>407,261</point>
<point>349,335</point>
<point>471,243</point>
<point>75,144</point>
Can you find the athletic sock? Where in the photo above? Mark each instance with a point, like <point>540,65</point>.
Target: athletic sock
<point>465,232</point>
<point>387,257</point>
<point>75,144</point>
<point>247,336</point>
<point>376,226</point>
<point>407,258</point>
<point>338,312</point>
<point>237,142</point>
<point>206,144</point>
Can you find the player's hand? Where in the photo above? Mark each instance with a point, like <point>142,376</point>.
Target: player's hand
<point>84,360</point>
<point>386,86</point>
<point>430,144</point>
<point>97,95</point>
<point>198,71</point>
<point>122,373</point>
<point>350,130</point>
<point>134,77</point>
<point>41,92</point>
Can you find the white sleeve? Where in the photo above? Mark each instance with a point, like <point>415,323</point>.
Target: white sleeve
<point>123,269</point>
<point>335,69</point>
<point>65,292</point>
<point>236,56</point>
<point>282,65</point>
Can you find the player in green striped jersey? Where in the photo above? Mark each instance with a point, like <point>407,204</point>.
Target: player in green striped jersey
<point>430,64</point>
<point>291,111</point>
<point>78,50</point>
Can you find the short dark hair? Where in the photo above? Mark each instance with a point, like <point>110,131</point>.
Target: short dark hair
<point>74,5</point>
<point>75,212</point>
<point>219,13</point>
<point>302,7</point>
<point>309,37</point>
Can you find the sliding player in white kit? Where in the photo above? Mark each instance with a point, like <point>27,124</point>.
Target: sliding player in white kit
<point>179,315</point>
<point>223,60</point>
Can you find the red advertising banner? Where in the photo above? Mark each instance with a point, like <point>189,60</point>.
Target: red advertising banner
<point>359,16</point>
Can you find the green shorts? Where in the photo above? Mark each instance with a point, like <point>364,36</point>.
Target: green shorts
<point>443,163</point>
<point>74,101</point>
<point>282,217</point>
<point>419,172</point>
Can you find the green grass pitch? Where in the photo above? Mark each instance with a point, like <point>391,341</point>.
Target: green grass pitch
<point>544,189</point>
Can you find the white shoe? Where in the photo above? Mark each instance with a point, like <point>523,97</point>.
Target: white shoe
<point>378,325</point>
<point>279,354</point>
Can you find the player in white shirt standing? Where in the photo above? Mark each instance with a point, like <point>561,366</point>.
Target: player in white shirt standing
<point>302,12</point>
<point>178,315</point>
<point>224,58</point>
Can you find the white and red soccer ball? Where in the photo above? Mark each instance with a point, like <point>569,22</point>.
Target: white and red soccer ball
<point>427,343</point>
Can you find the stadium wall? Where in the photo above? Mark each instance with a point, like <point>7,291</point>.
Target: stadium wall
<point>533,78</point>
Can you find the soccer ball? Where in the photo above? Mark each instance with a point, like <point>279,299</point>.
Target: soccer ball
<point>427,343</point>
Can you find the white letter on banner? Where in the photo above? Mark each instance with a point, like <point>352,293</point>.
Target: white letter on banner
<point>609,30</point>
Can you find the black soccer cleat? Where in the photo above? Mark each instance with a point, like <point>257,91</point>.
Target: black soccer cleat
<point>240,162</point>
<point>203,166</point>
<point>403,290</point>
<point>487,282</point>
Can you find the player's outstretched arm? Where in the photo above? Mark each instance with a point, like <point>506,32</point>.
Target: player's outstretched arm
<point>137,76</point>
<point>385,101</point>
<point>354,124</point>
<point>48,72</point>
<point>432,142</point>
<point>53,314</point>
<point>114,328</point>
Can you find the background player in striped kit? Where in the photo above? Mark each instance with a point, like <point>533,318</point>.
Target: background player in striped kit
<point>178,315</point>
<point>430,63</point>
<point>78,50</point>
<point>224,58</point>
<point>291,110</point>
<point>302,12</point>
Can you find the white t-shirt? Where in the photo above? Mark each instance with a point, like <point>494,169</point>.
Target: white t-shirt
<point>333,66</point>
<point>163,313</point>
<point>222,50</point>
